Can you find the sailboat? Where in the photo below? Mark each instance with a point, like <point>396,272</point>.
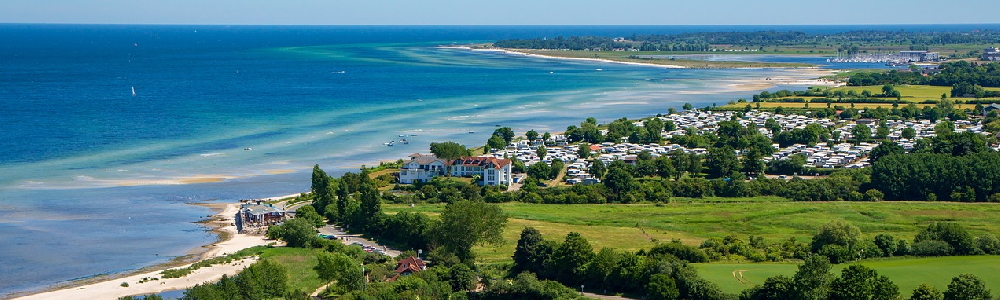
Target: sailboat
<point>133,91</point>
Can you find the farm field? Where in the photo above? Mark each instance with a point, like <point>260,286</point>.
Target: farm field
<point>907,273</point>
<point>912,93</point>
<point>638,226</point>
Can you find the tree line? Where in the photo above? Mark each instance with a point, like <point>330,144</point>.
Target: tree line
<point>755,39</point>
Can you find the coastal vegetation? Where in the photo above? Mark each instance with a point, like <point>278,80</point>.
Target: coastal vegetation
<point>953,44</point>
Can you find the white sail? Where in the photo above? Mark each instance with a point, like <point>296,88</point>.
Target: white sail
<point>133,91</point>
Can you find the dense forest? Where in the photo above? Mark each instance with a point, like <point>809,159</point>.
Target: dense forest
<point>700,41</point>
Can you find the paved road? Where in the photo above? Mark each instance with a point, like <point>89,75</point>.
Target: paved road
<point>353,238</point>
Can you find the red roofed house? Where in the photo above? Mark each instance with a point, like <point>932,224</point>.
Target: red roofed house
<point>408,266</point>
<point>494,171</point>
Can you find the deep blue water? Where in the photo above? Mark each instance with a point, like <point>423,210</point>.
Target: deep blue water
<point>90,175</point>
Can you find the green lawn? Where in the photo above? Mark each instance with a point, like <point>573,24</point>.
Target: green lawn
<point>907,273</point>
<point>636,226</point>
<point>300,263</point>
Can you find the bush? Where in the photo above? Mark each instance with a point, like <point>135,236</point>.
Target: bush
<point>931,248</point>
<point>988,244</point>
<point>684,252</point>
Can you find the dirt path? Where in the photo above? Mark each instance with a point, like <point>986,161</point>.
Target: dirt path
<point>738,274</point>
<point>605,297</point>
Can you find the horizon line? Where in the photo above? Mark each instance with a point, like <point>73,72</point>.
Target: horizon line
<point>483,25</point>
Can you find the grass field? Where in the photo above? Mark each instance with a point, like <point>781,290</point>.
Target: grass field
<point>906,273</point>
<point>916,93</point>
<point>636,226</point>
<point>691,220</point>
<point>300,263</point>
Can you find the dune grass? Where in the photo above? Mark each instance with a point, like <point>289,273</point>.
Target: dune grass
<point>907,273</point>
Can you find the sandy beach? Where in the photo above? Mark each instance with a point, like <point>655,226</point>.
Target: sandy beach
<point>112,289</point>
<point>508,51</point>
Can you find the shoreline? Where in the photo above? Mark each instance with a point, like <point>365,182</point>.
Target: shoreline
<point>205,251</point>
<point>109,286</point>
<point>522,52</point>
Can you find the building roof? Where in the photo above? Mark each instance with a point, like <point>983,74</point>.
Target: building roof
<point>260,209</point>
<point>483,161</point>
<point>426,159</point>
<point>408,265</point>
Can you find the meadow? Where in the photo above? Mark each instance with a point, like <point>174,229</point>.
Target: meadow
<point>640,226</point>
<point>907,273</point>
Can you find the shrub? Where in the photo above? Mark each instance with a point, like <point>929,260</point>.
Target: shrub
<point>931,248</point>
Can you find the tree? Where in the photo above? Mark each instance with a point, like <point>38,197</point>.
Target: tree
<point>908,133</point>
<point>307,212</point>
<point>662,287</point>
<point>531,135</point>
<point>541,152</point>
<point>546,136</point>
<point>495,142</point>
<point>449,150</point>
<point>540,170</point>
<point>531,252</point>
<point>323,189</point>
<point>884,149</point>
<point>265,279</point>
<point>773,126</point>
<point>340,267</point>
<point>926,292</point>
<point>881,133</point>
<point>812,280</point>
<point>887,243</point>
<point>462,278</point>
<point>944,128</point>
<point>967,287</point>
<point>506,133</point>
<point>619,180</point>
<point>370,209</point>
<point>861,133</point>
<point>721,162</point>
<point>752,163</point>
<point>598,169</point>
<point>836,233</point>
<point>298,233</point>
<point>955,235</point>
<point>887,90</point>
<point>468,223</point>
<point>858,282</point>
<point>687,106</point>
<point>570,259</point>
<point>774,288</point>
<point>583,151</point>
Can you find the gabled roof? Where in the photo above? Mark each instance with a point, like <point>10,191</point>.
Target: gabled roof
<point>426,159</point>
<point>483,161</point>
<point>408,265</point>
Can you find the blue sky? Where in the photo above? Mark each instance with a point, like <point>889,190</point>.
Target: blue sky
<point>500,12</point>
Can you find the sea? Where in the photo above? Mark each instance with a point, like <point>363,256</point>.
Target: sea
<point>108,133</point>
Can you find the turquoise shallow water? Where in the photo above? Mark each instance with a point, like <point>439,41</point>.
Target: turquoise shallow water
<point>89,173</point>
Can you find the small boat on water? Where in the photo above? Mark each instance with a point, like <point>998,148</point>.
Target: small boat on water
<point>390,143</point>
<point>472,132</point>
<point>133,91</point>
<point>247,149</point>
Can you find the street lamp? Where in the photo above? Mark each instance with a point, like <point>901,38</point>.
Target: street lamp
<point>581,290</point>
<point>365,278</point>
